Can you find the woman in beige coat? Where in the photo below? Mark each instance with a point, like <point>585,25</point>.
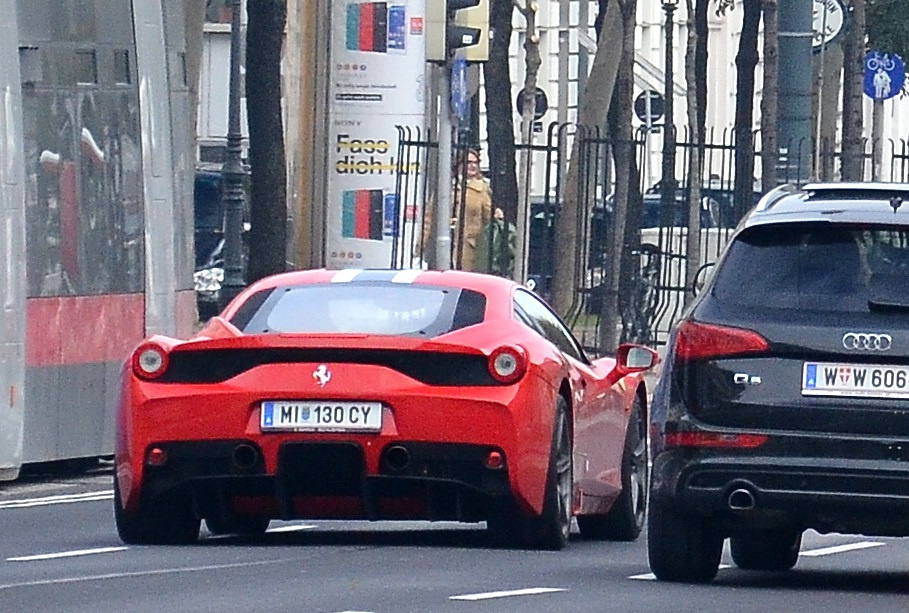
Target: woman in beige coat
<point>470,216</point>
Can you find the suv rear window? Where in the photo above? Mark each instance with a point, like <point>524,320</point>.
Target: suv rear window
<point>824,267</point>
<point>363,308</point>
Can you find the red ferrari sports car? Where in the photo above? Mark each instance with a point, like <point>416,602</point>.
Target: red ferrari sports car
<point>382,394</point>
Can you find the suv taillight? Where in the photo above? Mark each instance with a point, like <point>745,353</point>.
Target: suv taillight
<point>697,341</point>
<point>715,439</point>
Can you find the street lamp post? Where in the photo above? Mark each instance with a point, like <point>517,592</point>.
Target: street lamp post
<point>233,174</point>
<point>667,183</point>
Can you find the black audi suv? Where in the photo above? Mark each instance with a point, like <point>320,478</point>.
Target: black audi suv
<point>783,403</point>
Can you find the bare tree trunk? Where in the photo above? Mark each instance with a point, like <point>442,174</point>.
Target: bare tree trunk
<point>701,10</point>
<point>695,159</point>
<point>746,61</point>
<point>853,82</point>
<point>592,113</point>
<point>268,182</point>
<point>500,110</point>
<point>830,99</point>
<point>532,62</point>
<point>623,154</point>
<point>770,151</point>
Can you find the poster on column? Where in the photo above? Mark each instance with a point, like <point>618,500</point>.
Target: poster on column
<point>377,82</point>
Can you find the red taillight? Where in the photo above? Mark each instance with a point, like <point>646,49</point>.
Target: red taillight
<point>714,439</point>
<point>696,341</point>
<point>150,361</point>
<point>507,364</point>
<point>156,457</point>
<point>495,460</point>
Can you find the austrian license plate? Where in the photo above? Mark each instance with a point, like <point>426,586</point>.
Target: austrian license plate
<point>864,380</point>
<point>322,415</point>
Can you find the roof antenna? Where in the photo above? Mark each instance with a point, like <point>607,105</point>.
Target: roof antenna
<point>896,202</point>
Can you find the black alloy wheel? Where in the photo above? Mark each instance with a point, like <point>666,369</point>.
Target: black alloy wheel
<point>550,530</point>
<point>625,520</point>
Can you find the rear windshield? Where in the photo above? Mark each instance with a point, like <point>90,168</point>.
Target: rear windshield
<point>361,308</point>
<point>824,267</point>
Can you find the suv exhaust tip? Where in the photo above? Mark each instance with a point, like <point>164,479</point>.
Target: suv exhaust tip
<point>740,499</point>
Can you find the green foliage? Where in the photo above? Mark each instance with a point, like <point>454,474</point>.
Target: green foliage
<point>888,27</point>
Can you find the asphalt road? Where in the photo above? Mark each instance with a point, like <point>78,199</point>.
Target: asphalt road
<point>59,551</point>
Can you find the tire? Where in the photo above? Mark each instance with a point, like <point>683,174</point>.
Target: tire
<point>681,548</point>
<point>166,521</point>
<point>130,527</point>
<point>770,551</point>
<point>625,520</point>
<point>550,530</point>
<point>242,525</point>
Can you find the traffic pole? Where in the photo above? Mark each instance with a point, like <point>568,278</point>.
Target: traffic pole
<point>877,140</point>
<point>443,185</point>
<point>796,33</point>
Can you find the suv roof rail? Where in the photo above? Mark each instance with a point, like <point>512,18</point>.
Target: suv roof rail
<point>774,196</point>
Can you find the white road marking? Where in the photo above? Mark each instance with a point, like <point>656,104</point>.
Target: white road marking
<point>530,591</point>
<point>826,551</point>
<point>141,573</point>
<point>291,529</point>
<point>62,499</point>
<point>66,554</point>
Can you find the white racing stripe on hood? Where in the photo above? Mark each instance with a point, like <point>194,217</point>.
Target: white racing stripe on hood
<point>346,276</point>
<point>406,276</point>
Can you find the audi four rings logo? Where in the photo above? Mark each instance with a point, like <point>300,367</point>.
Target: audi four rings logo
<point>862,341</point>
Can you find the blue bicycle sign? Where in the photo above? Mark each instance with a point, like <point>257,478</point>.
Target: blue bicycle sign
<point>885,75</point>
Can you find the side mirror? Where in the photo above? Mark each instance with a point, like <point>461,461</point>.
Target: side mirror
<point>700,278</point>
<point>635,358</point>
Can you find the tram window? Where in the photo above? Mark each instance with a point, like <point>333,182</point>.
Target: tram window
<point>30,65</point>
<point>122,73</point>
<point>86,66</point>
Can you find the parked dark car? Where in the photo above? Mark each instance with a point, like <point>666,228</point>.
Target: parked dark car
<point>783,403</point>
<point>717,207</point>
<point>717,211</point>
<point>208,239</point>
<point>208,214</point>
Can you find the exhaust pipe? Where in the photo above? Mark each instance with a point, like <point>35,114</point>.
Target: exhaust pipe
<point>244,456</point>
<point>741,499</point>
<point>397,458</point>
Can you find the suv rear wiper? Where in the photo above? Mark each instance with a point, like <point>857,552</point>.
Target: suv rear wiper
<point>888,306</point>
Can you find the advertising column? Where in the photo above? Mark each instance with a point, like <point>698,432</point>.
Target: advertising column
<point>377,82</point>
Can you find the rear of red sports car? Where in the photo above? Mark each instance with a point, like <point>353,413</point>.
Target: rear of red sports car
<point>324,397</point>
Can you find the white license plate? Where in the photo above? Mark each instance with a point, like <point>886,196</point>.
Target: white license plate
<point>321,415</point>
<point>867,380</point>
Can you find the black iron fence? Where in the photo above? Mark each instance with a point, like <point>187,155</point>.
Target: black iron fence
<point>653,279</point>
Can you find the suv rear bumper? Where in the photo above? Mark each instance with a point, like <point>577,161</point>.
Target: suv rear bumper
<point>851,496</point>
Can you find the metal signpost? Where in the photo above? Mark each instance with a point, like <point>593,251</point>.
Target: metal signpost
<point>829,23</point>
<point>885,75</point>
<point>649,107</point>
